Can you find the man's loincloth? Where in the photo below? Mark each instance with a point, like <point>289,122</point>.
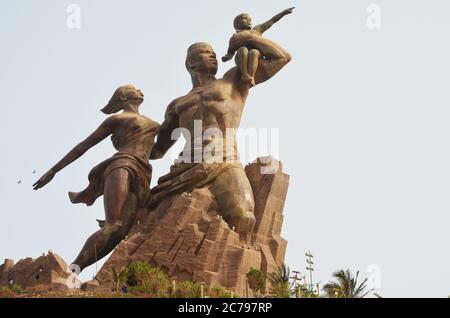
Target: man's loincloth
<point>140,176</point>
<point>186,177</point>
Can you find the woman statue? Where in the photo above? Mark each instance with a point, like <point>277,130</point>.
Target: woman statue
<point>123,179</point>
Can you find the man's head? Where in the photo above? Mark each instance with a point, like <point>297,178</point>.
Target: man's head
<point>125,93</point>
<point>201,59</point>
<point>242,22</point>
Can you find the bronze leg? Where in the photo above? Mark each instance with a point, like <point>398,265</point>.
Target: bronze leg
<point>105,240</point>
<point>242,63</point>
<point>253,59</point>
<point>235,198</point>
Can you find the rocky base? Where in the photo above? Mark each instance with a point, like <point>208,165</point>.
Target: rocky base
<point>186,237</point>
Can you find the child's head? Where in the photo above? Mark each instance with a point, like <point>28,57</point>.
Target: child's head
<point>242,22</point>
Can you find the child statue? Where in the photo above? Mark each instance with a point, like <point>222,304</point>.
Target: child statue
<point>247,57</point>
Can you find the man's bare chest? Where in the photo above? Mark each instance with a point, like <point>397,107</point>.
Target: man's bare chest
<point>205,102</point>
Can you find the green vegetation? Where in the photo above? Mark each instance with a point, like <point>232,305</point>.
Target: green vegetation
<point>6,292</point>
<point>155,283</point>
<point>118,277</point>
<point>256,280</point>
<point>13,291</point>
<point>187,289</point>
<point>280,282</point>
<point>219,292</point>
<point>346,286</point>
<point>140,279</point>
<point>17,289</point>
<point>137,273</point>
<point>143,280</point>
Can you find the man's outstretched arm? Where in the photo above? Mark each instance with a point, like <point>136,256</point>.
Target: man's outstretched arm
<point>164,140</point>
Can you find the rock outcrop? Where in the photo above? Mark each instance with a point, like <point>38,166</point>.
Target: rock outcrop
<point>187,237</point>
<point>48,272</point>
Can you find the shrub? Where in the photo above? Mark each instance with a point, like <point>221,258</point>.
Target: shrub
<point>219,292</point>
<point>279,280</point>
<point>6,292</point>
<point>157,282</point>
<point>17,289</point>
<point>137,272</point>
<point>256,280</point>
<point>145,279</point>
<point>187,289</point>
<point>118,277</point>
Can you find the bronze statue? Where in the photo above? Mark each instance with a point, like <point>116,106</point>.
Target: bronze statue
<point>247,57</point>
<point>217,104</point>
<point>123,179</point>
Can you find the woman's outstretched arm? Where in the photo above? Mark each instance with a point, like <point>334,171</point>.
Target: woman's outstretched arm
<point>103,131</point>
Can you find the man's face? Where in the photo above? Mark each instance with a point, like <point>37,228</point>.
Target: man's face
<point>204,59</point>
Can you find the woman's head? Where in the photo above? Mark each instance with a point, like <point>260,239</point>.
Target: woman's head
<point>124,94</point>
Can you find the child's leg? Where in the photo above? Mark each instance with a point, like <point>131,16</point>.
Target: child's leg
<point>253,59</point>
<point>242,63</point>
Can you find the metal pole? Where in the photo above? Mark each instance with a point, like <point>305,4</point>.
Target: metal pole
<point>310,269</point>
<point>296,284</point>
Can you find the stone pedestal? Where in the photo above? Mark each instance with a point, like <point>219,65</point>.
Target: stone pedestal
<point>186,236</point>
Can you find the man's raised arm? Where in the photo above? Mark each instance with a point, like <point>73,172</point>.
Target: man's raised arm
<point>273,57</point>
<point>164,140</point>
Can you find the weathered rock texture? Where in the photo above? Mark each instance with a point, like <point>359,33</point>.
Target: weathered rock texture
<point>48,272</point>
<point>186,236</point>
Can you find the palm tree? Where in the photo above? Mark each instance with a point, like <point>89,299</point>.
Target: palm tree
<point>118,277</point>
<point>346,286</point>
<point>256,280</point>
<point>279,281</point>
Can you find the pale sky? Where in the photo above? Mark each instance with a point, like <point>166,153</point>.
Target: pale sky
<point>363,117</point>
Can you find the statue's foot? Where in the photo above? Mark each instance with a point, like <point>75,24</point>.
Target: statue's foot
<point>101,223</point>
<point>243,226</point>
<point>245,229</point>
<point>226,57</point>
<point>72,196</point>
<point>245,239</point>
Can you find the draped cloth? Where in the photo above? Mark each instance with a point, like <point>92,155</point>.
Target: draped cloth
<point>140,172</point>
<point>186,177</point>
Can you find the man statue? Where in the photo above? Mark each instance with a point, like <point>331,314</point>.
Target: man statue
<point>216,106</point>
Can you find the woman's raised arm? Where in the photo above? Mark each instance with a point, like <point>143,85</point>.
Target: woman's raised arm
<point>103,131</point>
